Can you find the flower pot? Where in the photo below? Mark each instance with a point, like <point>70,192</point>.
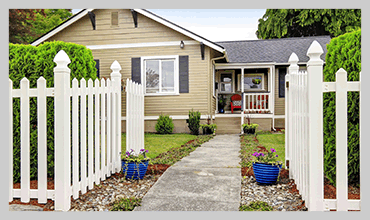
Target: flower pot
<point>249,130</point>
<point>266,173</point>
<point>134,170</point>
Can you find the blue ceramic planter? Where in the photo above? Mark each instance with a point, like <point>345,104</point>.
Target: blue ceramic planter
<point>266,173</point>
<point>134,170</point>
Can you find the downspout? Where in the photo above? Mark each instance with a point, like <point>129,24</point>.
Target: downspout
<point>214,75</point>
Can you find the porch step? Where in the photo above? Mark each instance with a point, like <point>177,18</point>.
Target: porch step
<point>229,125</point>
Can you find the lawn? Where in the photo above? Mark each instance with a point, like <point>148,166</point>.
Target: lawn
<point>159,143</point>
<point>276,141</point>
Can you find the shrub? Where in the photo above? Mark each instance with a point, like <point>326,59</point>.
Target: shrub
<point>33,62</point>
<point>343,52</point>
<point>194,122</point>
<point>211,128</point>
<point>164,124</point>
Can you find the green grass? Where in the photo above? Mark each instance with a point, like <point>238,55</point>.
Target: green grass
<point>276,141</point>
<point>160,143</point>
<point>256,206</point>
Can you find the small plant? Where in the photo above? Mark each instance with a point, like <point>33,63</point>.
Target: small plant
<point>194,122</point>
<point>269,158</point>
<point>256,81</point>
<point>256,206</point>
<point>164,124</point>
<point>125,204</point>
<point>131,156</point>
<point>250,126</point>
<point>208,127</point>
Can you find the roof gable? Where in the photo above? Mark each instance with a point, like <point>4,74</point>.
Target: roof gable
<point>143,12</point>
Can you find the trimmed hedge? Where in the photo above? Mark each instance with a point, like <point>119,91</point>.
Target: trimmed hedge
<point>343,52</point>
<point>33,62</point>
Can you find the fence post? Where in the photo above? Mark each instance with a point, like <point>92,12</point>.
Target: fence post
<point>315,127</point>
<point>293,67</point>
<point>62,132</point>
<point>116,78</point>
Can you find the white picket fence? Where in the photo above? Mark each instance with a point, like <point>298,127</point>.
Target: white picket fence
<point>304,131</point>
<point>106,147</point>
<point>134,116</point>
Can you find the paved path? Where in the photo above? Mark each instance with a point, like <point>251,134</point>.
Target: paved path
<point>209,179</point>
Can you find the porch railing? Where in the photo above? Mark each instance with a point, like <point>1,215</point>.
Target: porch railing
<point>256,102</point>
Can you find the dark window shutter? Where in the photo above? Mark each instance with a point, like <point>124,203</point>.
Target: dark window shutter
<point>184,74</point>
<point>282,73</point>
<point>97,66</point>
<point>136,70</point>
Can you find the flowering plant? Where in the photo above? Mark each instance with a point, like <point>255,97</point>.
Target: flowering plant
<point>131,156</point>
<point>269,158</point>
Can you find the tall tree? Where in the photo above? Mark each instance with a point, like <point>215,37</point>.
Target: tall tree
<point>283,23</point>
<point>26,25</point>
<point>19,26</point>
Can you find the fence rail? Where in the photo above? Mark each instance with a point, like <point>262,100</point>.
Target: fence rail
<point>304,131</point>
<point>99,104</point>
<point>256,102</point>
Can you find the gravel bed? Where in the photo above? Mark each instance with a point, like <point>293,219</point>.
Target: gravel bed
<point>281,197</point>
<point>101,197</point>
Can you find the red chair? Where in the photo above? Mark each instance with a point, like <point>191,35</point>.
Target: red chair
<point>236,102</point>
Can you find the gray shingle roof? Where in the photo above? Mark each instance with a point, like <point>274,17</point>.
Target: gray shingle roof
<point>273,50</point>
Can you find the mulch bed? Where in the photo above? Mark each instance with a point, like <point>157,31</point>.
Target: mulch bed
<point>156,169</point>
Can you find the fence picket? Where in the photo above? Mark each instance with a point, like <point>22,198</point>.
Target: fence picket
<point>90,131</point>
<point>97,142</point>
<point>75,167</point>
<point>41,139</point>
<point>341,140</point>
<point>103,135</point>
<point>83,137</point>
<point>109,133</point>
<point>25,141</point>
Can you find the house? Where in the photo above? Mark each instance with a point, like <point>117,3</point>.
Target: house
<point>182,70</point>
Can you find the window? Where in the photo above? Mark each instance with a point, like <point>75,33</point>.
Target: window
<point>252,82</point>
<point>97,66</point>
<point>282,73</point>
<point>161,75</point>
<point>226,82</point>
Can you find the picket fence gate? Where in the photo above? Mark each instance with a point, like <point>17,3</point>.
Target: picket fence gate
<point>304,132</point>
<point>134,116</point>
<point>104,101</point>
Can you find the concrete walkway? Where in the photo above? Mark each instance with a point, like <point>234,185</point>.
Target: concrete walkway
<point>209,179</point>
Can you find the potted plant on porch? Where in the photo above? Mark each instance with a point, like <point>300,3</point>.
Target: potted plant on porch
<point>134,165</point>
<point>221,104</point>
<point>250,128</point>
<point>265,167</point>
<point>208,128</point>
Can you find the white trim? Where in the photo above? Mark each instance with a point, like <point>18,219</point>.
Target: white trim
<point>268,115</point>
<point>178,29</point>
<point>174,117</point>
<point>176,74</point>
<point>279,116</point>
<point>232,72</point>
<point>137,45</point>
<point>61,27</point>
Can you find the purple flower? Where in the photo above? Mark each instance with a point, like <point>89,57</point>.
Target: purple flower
<point>276,155</point>
<point>255,154</point>
<point>273,150</point>
<point>261,154</point>
<point>147,151</point>
<point>141,150</point>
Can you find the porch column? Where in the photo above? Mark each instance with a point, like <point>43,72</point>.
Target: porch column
<point>243,101</point>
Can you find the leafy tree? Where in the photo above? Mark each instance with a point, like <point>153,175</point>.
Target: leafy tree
<point>26,25</point>
<point>19,27</point>
<point>283,23</point>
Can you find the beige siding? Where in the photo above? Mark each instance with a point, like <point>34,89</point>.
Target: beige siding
<point>148,30</point>
<point>279,102</point>
<point>198,98</point>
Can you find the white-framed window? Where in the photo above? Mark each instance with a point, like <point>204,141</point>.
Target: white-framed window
<point>255,81</point>
<point>226,81</point>
<point>160,75</point>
